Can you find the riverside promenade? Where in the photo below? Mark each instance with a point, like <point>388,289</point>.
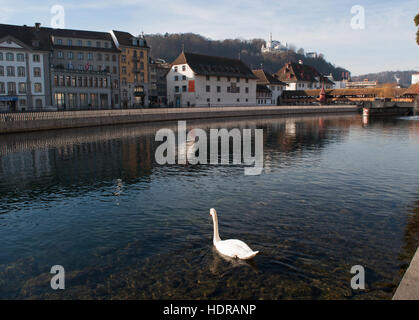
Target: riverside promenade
<point>37,121</point>
<point>409,286</point>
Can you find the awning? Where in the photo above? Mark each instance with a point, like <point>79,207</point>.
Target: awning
<point>8,98</point>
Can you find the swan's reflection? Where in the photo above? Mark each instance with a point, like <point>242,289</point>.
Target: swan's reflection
<point>219,265</point>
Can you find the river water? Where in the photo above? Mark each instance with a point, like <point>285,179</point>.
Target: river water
<point>335,193</point>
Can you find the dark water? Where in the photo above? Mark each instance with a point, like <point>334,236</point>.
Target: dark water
<point>334,194</point>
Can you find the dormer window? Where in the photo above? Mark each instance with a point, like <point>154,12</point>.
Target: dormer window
<point>35,43</point>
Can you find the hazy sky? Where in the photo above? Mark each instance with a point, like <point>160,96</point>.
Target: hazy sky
<point>386,43</point>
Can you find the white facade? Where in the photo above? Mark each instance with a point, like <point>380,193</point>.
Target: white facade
<point>415,78</point>
<point>185,88</point>
<point>22,77</point>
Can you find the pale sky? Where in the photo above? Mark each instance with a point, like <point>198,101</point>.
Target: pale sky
<point>387,43</point>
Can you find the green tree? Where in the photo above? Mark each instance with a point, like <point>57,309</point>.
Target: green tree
<point>417,24</point>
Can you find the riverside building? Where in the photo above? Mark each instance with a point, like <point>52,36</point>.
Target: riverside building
<point>196,80</point>
<point>134,69</point>
<point>24,69</point>
<point>84,70</point>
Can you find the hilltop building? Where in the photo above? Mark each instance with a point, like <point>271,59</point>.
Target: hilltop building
<point>272,84</point>
<point>274,46</point>
<point>134,68</point>
<point>299,76</point>
<point>196,80</point>
<point>24,69</point>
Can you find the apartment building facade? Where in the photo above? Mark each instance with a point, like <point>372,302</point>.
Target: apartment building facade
<point>24,69</point>
<point>84,70</point>
<point>134,69</point>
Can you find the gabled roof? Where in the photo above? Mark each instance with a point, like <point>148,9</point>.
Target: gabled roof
<point>266,78</point>
<point>293,72</point>
<point>29,36</point>
<point>125,39</point>
<point>412,90</point>
<point>214,66</point>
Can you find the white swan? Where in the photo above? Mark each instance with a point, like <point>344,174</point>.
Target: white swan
<point>231,248</point>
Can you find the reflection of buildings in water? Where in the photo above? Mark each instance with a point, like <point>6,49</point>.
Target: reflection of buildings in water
<point>95,155</point>
<point>26,165</point>
<point>290,128</point>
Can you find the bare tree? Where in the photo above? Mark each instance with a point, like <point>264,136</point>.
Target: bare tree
<point>417,24</point>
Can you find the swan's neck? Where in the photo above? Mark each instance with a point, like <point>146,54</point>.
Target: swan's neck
<point>216,234</point>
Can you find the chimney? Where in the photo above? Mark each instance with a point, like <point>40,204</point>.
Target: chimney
<point>37,26</point>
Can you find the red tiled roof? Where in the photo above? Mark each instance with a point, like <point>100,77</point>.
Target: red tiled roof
<point>266,78</point>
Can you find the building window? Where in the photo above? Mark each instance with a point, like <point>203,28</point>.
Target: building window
<point>70,55</point>
<point>89,43</point>
<point>238,100</point>
<point>22,87</point>
<point>218,78</point>
<point>218,89</point>
<point>208,99</point>
<point>176,78</point>
<point>115,84</point>
<point>247,80</point>
<point>22,102</point>
<point>72,100</point>
<point>93,100</point>
<point>20,57</point>
<point>10,56</point>
<point>90,56</point>
<point>11,87</point>
<point>177,89</point>
<point>38,104</point>
<point>80,82</point>
<point>60,55</point>
<point>59,100</point>
<point>107,57</point>
<point>38,87</point>
<point>98,44</point>
<point>228,79</point>
<point>2,87</point>
<point>62,81</point>
<point>114,58</point>
<point>80,43</point>
<point>183,77</point>
<point>37,72</point>
<point>59,41</point>
<point>208,88</point>
<point>20,71</point>
<point>84,102</point>
<point>175,68</point>
<point>99,57</point>
<point>69,42</point>
<point>80,56</point>
<point>184,88</point>
<point>10,71</point>
<point>238,79</point>
<point>73,81</point>
<point>183,68</point>
<point>124,70</point>
<point>208,78</point>
<point>247,90</point>
<point>1,56</point>
<point>1,71</point>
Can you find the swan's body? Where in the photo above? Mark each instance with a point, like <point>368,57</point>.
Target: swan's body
<point>231,248</point>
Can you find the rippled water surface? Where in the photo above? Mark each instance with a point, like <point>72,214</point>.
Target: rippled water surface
<point>334,193</point>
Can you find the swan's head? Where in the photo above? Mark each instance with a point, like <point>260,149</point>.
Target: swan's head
<point>213,213</point>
